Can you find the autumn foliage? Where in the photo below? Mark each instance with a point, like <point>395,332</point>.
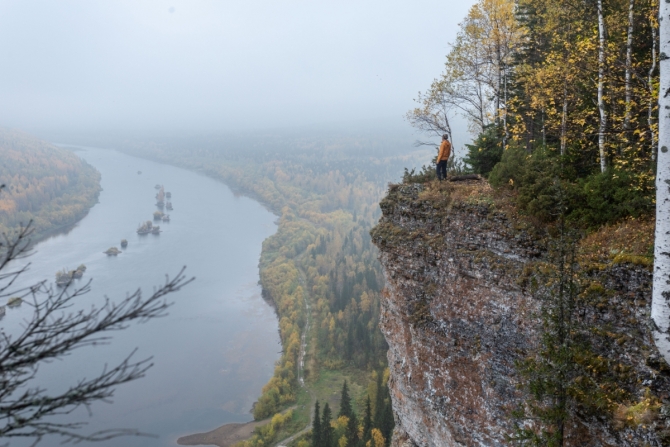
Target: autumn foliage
<point>47,185</point>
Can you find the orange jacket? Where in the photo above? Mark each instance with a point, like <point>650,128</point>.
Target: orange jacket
<point>445,151</point>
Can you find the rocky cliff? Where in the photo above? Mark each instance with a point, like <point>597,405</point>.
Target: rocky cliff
<point>458,315</point>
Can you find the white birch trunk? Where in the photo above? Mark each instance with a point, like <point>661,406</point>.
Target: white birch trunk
<point>601,81</point>
<point>650,86</point>
<point>660,308</point>
<point>505,133</point>
<point>499,86</point>
<point>629,63</point>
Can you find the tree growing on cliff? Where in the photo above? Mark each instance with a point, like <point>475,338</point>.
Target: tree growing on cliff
<point>552,371</point>
<point>52,332</point>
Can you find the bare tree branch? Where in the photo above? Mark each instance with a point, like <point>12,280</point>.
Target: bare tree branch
<point>52,332</point>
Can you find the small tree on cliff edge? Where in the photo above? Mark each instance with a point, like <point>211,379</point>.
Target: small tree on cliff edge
<point>51,333</point>
<point>552,371</point>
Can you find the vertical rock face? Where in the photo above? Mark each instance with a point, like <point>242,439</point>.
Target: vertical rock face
<point>457,316</point>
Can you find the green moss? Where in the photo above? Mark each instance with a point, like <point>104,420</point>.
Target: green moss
<point>643,413</point>
<point>420,315</point>
<point>643,261</point>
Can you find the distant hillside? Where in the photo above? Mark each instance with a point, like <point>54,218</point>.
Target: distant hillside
<point>48,185</point>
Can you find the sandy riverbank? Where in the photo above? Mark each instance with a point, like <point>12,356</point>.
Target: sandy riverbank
<point>225,436</point>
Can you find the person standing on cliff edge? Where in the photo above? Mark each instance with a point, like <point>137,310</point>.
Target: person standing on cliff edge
<point>443,157</point>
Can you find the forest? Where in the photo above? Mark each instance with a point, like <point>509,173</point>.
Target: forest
<point>325,191</point>
<point>562,100</point>
<point>556,90</point>
<point>43,184</point>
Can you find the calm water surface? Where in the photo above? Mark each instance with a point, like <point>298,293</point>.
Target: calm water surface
<point>217,347</point>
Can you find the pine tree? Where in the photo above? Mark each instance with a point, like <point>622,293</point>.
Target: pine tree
<point>345,402</point>
<point>367,421</point>
<point>326,429</point>
<point>316,427</point>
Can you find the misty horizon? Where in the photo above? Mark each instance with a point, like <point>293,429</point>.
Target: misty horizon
<point>206,67</point>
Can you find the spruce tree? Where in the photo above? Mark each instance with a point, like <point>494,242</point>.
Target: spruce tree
<point>388,423</point>
<point>345,402</point>
<point>367,421</point>
<point>326,429</point>
<point>352,431</point>
<point>316,427</point>
<point>382,394</point>
<point>554,371</point>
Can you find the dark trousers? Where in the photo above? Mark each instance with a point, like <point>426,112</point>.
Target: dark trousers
<point>442,170</point>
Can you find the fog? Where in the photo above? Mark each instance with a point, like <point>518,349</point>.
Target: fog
<point>217,66</point>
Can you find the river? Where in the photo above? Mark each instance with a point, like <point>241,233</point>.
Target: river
<point>217,347</point>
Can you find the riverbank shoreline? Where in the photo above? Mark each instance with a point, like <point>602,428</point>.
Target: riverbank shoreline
<point>226,435</point>
<point>58,230</point>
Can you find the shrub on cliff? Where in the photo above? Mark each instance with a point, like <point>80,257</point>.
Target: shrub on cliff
<point>611,196</point>
<point>485,152</point>
<point>425,174</point>
<point>591,201</point>
<point>535,178</point>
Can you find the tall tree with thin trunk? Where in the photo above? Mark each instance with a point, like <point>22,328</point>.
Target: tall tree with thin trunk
<point>345,402</point>
<point>629,64</point>
<point>326,428</point>
<point>660,308</point>
<point>601,86</point>
<point>564,118</point>
<point>316,427</point>
<point>650,86</point>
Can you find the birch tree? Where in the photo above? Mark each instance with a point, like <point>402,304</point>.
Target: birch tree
<point>601,86</point>
<point>660,308</point>
<point>629,64</point>
<point>474,82</point>
<point>653,22</point>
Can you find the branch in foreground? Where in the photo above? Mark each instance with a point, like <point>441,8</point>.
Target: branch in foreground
<point>53,332</point>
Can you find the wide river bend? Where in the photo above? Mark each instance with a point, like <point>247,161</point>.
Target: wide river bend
<point>217,347</point>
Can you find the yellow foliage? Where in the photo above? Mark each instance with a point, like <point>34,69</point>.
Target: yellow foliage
<point>377,439</point>
<point>641,413</point>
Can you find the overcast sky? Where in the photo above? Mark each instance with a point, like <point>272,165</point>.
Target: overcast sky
<point>217,65</point>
